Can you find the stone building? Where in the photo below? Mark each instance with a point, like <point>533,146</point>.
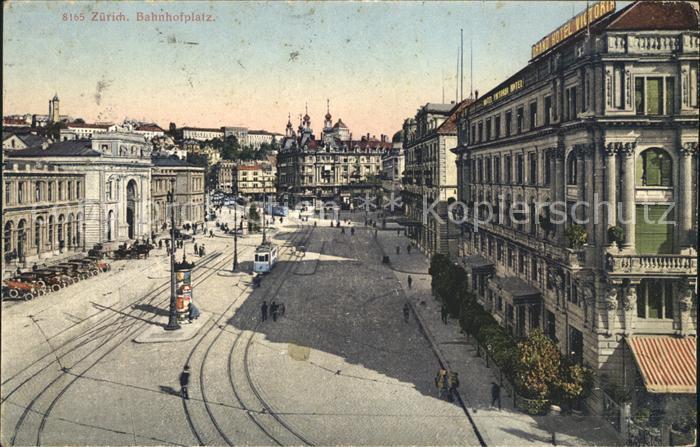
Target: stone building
<point>327,169</point>
<point>430,175</point>
<point>609,114</point>
<point>42,211</point>
<point>255,180</point>
<point>225,175</point>
<point>117,178</point>
<point>187,181</point>
<point>393,167</point>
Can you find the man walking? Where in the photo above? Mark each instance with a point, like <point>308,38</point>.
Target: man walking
<point>495,395</point>
<point>443,313</point>
<point>408,248</point>
<point>453,384</point>
<point>410,281</point>
<point>195,248</point>
<point>406,312</point>
<point>273,310</point>
<point>184,381</point>
<point>263,309</point>
<point>440,381</point>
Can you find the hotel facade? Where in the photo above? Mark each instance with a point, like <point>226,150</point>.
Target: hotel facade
<point>609,114</point>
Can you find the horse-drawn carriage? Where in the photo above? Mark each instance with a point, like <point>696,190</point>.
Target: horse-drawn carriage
<point>137,250</point>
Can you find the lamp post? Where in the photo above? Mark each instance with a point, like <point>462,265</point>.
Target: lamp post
<point>235,236</point>
<point>172,316</point>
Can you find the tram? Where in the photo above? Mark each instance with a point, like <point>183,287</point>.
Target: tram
<point>265,257</point>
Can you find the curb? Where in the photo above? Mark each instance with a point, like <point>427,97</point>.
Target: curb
<point>141,341</point>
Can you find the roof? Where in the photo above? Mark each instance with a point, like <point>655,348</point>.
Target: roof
<point>656,15</point>
<point>522,292</point>
<point>171,162</point>
<point>149,128</point>
<point>450,124</point>
<point>68,148</point>
<point>667,364</point>
<point>436,107</point>
<point>478,263</point>
<point>203,129</point>
<point>340,125</point>
<point>89,125</point>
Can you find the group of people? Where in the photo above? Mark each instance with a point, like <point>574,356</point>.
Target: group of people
<point>447,383</point>
<point>408,249</point>
<point>274,309</point>
<point>199,250</point>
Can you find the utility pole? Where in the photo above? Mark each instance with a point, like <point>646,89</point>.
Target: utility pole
<point>235,236</point>
<point>172,316</point>
<point>461,64</point>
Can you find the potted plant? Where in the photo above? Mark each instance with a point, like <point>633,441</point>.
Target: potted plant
<point>576,235</point>
<point>574,384</point>
<point>616,235</point>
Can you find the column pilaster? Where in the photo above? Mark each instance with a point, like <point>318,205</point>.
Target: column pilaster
<point>688,151</point>
<point>628,199</point>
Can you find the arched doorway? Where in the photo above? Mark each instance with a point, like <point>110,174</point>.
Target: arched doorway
<point>110,225</point>
<point>131,207</point>
<point>39,234</point>
<point>60,235</point>
<point>7,239</point>
<point>69,231</point>
<point>21,239</point>
<point>78,229</point>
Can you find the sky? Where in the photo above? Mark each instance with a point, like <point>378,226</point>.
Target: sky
<point>257,62</point>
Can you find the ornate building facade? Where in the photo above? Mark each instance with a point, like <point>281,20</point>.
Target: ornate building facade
<point>430,176</point>
<point>187,182</point>
<point>330,168</point>
<point>609,115</point>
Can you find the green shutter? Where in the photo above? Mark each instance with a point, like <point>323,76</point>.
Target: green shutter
<point>652,237</point>
<point>653,170</point>
<point>654,96</point>
<point>666,172</point>
<point>640,169</point>
<point>670,96</point>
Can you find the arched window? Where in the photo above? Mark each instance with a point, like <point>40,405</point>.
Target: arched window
<point>60,190</point>
<point>20,192</point>
<point>38,230</point>
<point>69,230</point>
<point>571,174</point>
<point>37,191</point>
<point>49,191</point>
<point>7,236</point>
<point>59,232</point>
<point>654,168</point>
<point>51,231</point>
<point>78,223</point>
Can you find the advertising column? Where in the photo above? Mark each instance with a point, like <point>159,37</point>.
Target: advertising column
<point>183,289</point>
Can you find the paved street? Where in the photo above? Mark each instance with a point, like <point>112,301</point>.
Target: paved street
<point>340,367</point>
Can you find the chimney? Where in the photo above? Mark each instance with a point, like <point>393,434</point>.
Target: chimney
<point>476,94</point>
<point>367,135</point>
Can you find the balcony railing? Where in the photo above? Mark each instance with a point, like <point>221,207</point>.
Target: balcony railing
<point>642,264</point>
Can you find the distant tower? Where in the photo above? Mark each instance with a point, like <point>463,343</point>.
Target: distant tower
<point>54,116</point>
<point>289,131</point>
<point>307,119</point>
<point>328,123</point>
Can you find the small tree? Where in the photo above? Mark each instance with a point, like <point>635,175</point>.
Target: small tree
<point>537,366</point>
<point>253,218</point>
<point>616,235</point>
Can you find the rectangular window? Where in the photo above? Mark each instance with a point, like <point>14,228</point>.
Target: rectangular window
<point>576,345</point>
<point>655,299</point>
<point>488,129</point>
<point>619,87</point>
<point>507,170</point>
<point>8,194</point>
<point>551,326</point>
<point>497,170</point>
<point>497,128</point>
<point>521,262</point>
<point>547,110</point>
<point>488,169</point>
<point>654,96</point>
<point>510,256</point>
<point>533,269</point>
<point>693,87</point>
<point>639,95</point>
<point>670,96</point>
<point>520,117</point>
<point>499,251</point>
<point>533,115</point>
<point>473,139</point>
<point>547,167</point>
<point>533,168</point>
<point>481,132</point>
<point>509,123</point>
<point>519,169</point>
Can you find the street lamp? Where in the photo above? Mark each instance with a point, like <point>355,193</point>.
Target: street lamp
<point>235,236</point>
<point>172,317</point>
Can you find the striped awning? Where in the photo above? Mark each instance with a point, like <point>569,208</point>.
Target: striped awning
<point>667,364</point>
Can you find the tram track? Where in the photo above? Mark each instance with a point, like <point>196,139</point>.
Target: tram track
<point>289,244</point>
<point>122,320</point>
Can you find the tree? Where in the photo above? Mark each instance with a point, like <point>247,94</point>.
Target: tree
<point>253,218</point>
<point>537,368</point>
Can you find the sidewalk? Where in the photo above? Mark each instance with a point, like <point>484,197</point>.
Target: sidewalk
<point>497,428</point>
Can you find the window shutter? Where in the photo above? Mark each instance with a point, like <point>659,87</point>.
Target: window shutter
<point>653,170</point>
<point>640,169</point>
<point>666,170</point>
<point>652,237</point>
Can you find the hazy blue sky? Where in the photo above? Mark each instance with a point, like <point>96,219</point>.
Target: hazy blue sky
<point>376,62</point>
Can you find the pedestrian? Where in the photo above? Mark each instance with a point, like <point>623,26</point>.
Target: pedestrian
<point>195,248</point>
<point>398,250</point>
<point>375,233</point>
<point>282,309</point>
<point>408,248</point>
<point>443,313</point>
<point>398,232</point>
<point>406,312</point>
<point>263,309</point>
<point>194,240</point>
<point>160,244</point>
<point>410,281</point>
<point>193,312</point>
<point>18,272</point>
<point>452,385</point>
<point>440,382</point>
<point>211,233</point>
<point>273,310</point>
<point>202,251</point>
<point>495,395</point>
<point>352,231</point>
<point>35,267</point>
<point>184,381</point>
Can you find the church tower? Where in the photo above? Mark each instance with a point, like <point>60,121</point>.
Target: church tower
<point>328,123</point>
<point>54,115</point>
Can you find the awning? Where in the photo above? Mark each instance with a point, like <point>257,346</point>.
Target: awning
<point>667,364</point>
<point>478,264</point>
<point>519,290</point>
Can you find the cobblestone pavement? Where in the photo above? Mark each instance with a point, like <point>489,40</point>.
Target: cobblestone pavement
<point>340,367</point>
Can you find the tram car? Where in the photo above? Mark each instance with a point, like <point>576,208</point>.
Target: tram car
<point>276,210</point>
<point>265,257</point>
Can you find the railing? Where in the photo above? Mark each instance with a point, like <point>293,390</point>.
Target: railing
<point>652,264</point>
<point>612,411</point>
<point>641,436</point>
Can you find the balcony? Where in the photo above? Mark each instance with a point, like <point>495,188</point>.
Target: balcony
<point>652,264</point>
